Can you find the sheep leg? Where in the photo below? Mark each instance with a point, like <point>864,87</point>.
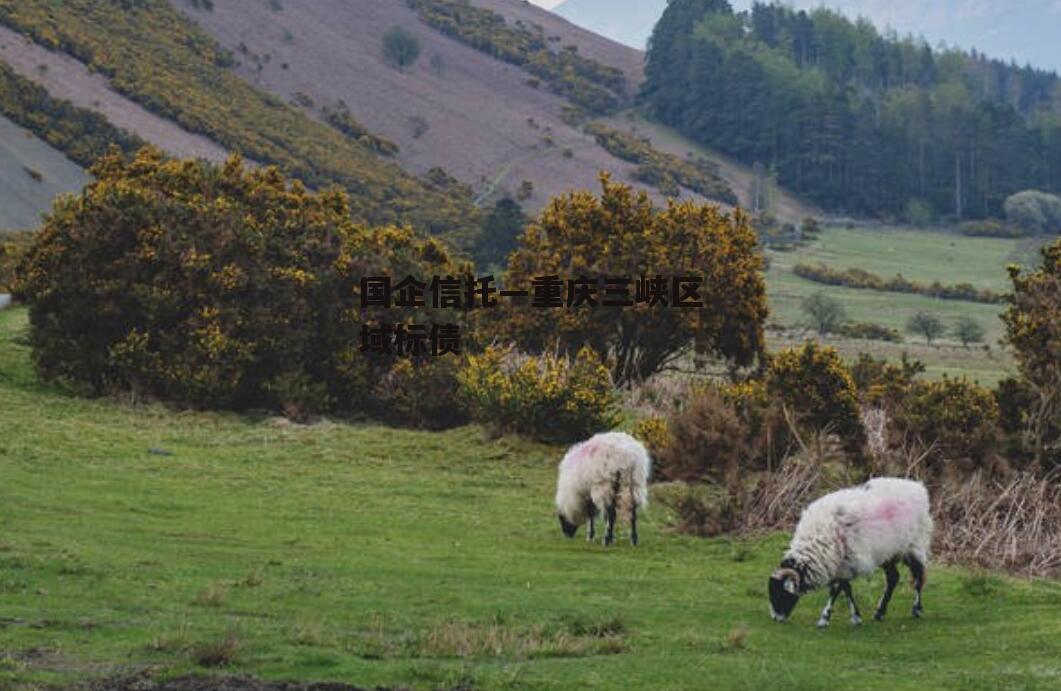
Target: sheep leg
<point>609,519</point>
<point>633,525</point>
<point>591,511</point>
<point>856,616</point>
<point>891,573</point>
<point>917,572</point>
<point>827,613</point>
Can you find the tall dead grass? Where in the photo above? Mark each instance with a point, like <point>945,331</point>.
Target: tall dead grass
<point>1011,524</point>
<point>1008,522</point>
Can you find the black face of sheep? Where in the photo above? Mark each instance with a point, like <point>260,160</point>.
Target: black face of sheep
<point>569,528</point>
<point>784,593</point>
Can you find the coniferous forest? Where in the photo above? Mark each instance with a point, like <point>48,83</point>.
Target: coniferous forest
<point>860,121</point>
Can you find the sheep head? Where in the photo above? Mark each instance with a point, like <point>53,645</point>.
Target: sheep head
<point>567,526</point>
<point>784,591</point>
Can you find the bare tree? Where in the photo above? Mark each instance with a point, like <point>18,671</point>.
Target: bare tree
<point>968,330</point>
<point>927,325</point>
<point>826,314</point>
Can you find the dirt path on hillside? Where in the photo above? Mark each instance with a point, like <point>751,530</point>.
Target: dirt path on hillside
<point>67,78</point>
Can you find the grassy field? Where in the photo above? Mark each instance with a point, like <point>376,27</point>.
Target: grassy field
<point>137,536</point>
<point>920,255</point>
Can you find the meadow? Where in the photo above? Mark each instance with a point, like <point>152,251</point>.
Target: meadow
<point>920,255</point>
<point>133,536</point>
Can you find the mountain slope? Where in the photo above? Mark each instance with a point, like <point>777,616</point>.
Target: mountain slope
<point>151,54</point>
<point>479,118</point>
<point>31,174</point>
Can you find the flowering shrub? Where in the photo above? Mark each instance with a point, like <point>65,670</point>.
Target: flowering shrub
<point>654,433</point>
<point>546,397</point>
<point>621,234</point>
<point>215,286</point>
<point>817,387</point>
<point>957,415</point>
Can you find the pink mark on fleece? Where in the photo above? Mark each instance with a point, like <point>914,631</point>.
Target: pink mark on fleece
<point>581,452</point>
<point>889,510</point>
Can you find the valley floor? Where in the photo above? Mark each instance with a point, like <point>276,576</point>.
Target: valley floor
<point>134,536</point>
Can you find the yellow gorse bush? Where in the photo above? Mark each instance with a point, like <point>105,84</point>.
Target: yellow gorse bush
<point>548,397</point>
<point>219,286</point>
<point>621,234</point>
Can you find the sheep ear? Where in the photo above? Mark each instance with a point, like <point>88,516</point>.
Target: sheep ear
<point>790,586</point>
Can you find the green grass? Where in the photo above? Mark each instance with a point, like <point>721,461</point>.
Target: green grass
<point>376,556</point>
<point>920,255</point>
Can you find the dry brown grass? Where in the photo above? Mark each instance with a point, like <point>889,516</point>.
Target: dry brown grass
<point>1012,524</point>
<point>219,653</point>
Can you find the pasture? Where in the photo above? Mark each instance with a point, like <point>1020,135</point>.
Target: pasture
<point>134,536</point>
<point>920,255</point>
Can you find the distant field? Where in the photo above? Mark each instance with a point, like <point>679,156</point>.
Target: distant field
<point>919,255</point>
<point>138,536</point>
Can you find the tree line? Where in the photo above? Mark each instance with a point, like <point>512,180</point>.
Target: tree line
<point>858,120</point>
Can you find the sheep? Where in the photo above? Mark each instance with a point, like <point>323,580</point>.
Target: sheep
<point>608,474</point>
<point>849,533</point>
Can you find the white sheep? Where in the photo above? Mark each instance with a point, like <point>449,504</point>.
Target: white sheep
<point>606,474</point>
<point>850,533</point>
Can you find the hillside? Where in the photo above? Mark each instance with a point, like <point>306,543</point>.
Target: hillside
<point>486,122</point>
<point>857,119</point>
<point>67,78</point>
<point>31,174</point>
<point>456,108</point>
<point>150,54</point>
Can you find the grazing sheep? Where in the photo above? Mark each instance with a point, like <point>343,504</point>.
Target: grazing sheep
<point>850,533</point>
<point>606,474</point>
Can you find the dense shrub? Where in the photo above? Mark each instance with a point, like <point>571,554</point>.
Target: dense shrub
<point>214,286</point>
<point>340,118</point>
<point>817,387</point>
<point>868,331</point>
<point>588,84</point>
<point>654,433</point>
<point>883,384</point>
<point>662,170</point>
<point>424,394</point>
<point>857,278</point>
<point>13,246</point>
<point>1033,329</point>
<point>958,416</point>
<point>990,228</point>
<point>1034,212</point>
<point>546,397</point>
<point>709,439</point>
<point>621,235</point>
<point>81,134</point>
